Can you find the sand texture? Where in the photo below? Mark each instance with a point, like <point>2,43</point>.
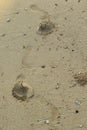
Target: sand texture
<point>43,64</point>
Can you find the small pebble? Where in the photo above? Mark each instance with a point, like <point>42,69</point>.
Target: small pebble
<point>72,50</point>
<point>24,47</point>
<point>57,86</point>
<point>56,4</point>
<point>24,34</point>
<point>25,9</point>
<point>76,111</point>
<point>8,20</point>
<point>77,102</point>
<point>81,126</point>
<point>43,66</point>
<point>47,121</point>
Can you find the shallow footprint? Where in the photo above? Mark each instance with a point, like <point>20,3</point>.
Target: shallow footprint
<point>37,9</point>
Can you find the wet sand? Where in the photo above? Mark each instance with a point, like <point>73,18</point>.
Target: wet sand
<point>44,43</point>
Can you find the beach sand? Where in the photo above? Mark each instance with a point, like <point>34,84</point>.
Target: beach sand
<point>43,43</point>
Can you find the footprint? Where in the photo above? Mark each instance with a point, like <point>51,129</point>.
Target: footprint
<point>21,90</point>
<point>45,28</point>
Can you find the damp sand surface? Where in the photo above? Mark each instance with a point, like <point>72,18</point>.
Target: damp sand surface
<point>43,58</point>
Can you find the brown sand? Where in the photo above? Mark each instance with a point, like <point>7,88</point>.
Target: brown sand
<point>47,62</point>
